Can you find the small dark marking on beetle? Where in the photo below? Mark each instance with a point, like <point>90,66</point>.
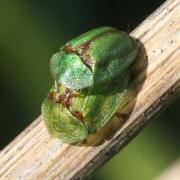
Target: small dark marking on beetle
<point>68,48</point>
<point>52,95</point>
<point>84,47</point>
<point>78,115</point>
<point>66,98</point>
<point>83,51</point>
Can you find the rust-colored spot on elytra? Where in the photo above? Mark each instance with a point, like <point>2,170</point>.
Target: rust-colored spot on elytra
<point>78,115</point>
<point>68,48</point>
<point>52,95</point>
<point>84,46</point>
<point>66,98</point>
<point>83,50</point>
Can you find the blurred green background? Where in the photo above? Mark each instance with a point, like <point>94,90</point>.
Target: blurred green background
<point>31,31</point>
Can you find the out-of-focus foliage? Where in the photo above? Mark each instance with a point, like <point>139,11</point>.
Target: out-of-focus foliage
<point>31,31</point>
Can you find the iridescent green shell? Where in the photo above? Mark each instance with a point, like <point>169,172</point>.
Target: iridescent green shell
<point>93,58</point>
<point>91,72</point>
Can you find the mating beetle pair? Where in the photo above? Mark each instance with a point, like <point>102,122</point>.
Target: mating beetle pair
<point>91,75</point>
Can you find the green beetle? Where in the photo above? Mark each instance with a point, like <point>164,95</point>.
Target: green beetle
<point>91,79</point>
